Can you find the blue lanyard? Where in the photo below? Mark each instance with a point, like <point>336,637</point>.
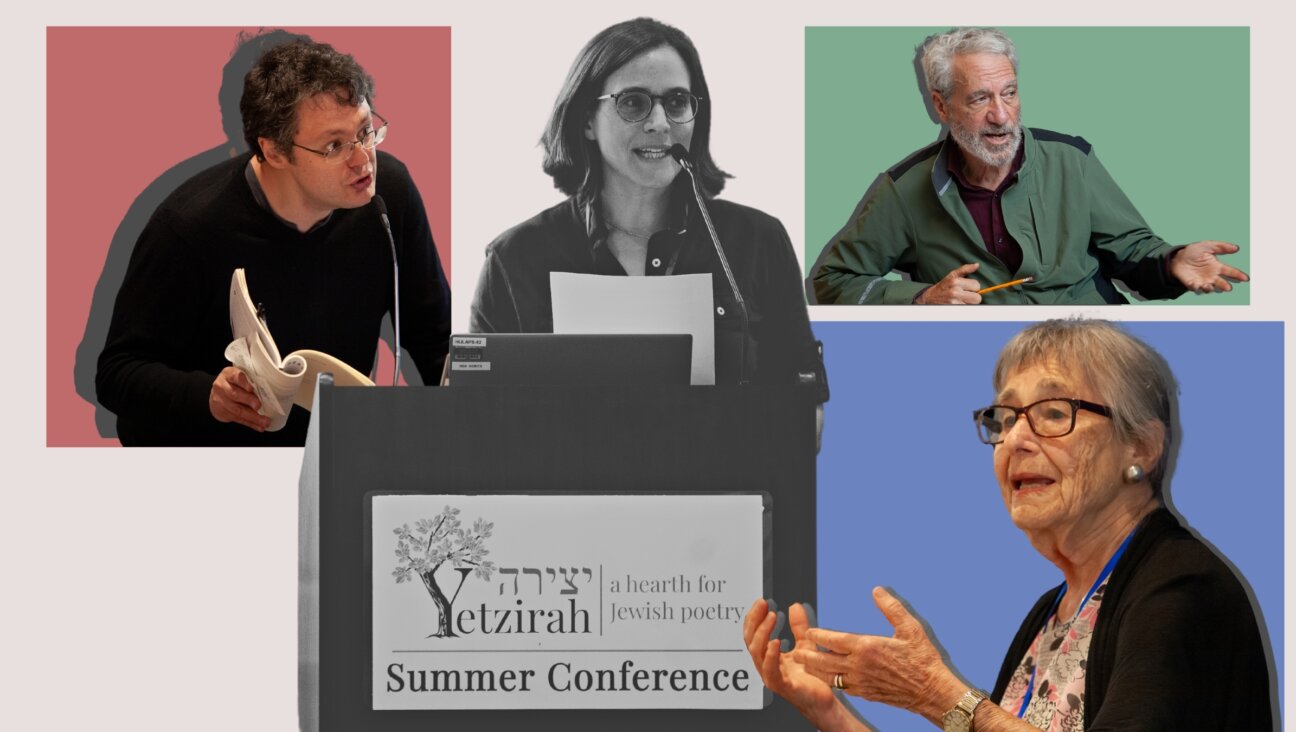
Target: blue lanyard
<point>1102,577</point>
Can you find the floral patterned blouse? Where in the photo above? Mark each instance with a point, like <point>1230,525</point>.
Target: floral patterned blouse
<point>1057,657</point>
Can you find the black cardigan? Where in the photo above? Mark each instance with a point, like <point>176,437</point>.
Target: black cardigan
<point>1175,646</point>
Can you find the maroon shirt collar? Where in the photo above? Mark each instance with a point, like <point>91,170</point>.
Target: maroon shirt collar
<point>985,206</point>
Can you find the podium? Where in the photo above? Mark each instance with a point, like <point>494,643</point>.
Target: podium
<point>535,440</point>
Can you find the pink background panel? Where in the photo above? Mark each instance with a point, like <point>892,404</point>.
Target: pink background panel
<point>127,104</point>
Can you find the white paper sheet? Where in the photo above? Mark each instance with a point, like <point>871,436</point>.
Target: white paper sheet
<point>607,304</point>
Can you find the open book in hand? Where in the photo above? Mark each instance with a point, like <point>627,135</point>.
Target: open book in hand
<point>279,382</point>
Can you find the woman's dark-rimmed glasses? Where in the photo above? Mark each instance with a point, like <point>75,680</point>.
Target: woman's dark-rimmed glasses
<point>1047,418</point>
<point>636,106</point>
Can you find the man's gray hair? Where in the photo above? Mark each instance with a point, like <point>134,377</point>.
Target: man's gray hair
<point>1127,375</point>
<point>938,53</point>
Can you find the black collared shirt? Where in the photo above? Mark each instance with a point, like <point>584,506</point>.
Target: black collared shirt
<point>663,246</point>
<point>513,293</point>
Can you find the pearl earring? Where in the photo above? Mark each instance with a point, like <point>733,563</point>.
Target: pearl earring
<point>1133,474</point>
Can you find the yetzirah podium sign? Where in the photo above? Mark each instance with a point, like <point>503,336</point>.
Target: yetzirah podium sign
<point>565,601</point>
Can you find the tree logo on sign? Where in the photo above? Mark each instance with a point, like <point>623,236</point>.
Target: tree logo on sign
<point>431,545</point>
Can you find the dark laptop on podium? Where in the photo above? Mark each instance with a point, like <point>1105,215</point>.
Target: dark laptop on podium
<point>558,359</point>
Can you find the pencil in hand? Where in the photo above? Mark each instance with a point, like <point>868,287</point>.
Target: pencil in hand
<point>992,288</point>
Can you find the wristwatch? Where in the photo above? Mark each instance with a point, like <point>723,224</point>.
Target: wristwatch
<point>959,719</point>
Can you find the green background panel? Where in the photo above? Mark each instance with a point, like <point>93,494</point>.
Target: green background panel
<point>1166,109</point>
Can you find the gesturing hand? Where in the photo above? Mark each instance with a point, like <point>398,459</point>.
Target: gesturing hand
<point>233,400</point>
<point>782,672</point>
<point>954,288</point>
<point>1198,268</point>
<point>905,671</point>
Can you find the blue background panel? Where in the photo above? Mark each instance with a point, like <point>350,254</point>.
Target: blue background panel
<point>908,498</point>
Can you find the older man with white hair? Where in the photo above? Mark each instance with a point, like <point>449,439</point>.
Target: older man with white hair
<point>995,202</point>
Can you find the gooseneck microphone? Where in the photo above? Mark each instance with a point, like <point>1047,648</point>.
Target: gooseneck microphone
<point>680,153</point>
<point>396,337</point>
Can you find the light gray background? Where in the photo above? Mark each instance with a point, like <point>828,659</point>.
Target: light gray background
<point>158,587</point>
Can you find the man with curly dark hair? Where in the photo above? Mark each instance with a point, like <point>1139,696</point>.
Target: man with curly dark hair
<point>296,213</point>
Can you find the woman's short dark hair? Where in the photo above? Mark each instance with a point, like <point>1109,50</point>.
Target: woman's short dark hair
<point>284,77</point>
<point>574,161</point>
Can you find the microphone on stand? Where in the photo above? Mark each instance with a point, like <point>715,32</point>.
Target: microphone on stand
<point>396,339</point>
<point>680,153</point>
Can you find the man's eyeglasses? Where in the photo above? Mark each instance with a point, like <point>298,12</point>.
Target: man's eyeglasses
<point>636,106</point>
<point>1047,418</point>
<point>340,151</point>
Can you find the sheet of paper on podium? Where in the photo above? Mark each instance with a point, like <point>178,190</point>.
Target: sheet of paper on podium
<point>605,304</point>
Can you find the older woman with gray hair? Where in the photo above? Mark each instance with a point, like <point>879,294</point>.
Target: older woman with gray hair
<point>1150,629</point>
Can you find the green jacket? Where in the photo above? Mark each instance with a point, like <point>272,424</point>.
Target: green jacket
<point>1077,231</point>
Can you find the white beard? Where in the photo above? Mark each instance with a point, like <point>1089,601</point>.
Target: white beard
<point>971,143</point>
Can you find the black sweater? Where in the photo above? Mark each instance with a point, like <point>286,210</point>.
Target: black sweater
<point>1175,646</point>
<point>327,289</point>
